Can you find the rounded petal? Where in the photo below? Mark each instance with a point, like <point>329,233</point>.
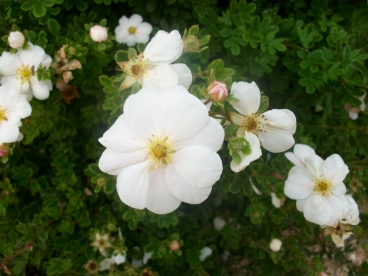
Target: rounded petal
<point>339,189</point>
<point>334,169</point>
<point>164,48</point>
<point>33,56</point>
<point>144,29</point>
<point>8,132</point>
<point>141,38</point>
<point>184,74</point>
<point>159,77</point>
<point>121,33</point>
<point>9,63</point>
<point>198,167</point>
<point>248,95</point>
<point>298,185</point>
<point>315,165</point>
<point>130,40</point>
<point>318,210</point>
<point>124,21</point>
<point>337,208</point>
<point>183,191</point>
<point>293,159</point>
<point>40,89</point>
<point>211,137</point>
<point>300,203</point>
<point>276,139</point>
<point>113,162</point>
<point>135,20</point>
<point>255,154</point>
<point>132,185</point>
<point>120,138</point>
<point>278,118</point>
<point>160,200</point>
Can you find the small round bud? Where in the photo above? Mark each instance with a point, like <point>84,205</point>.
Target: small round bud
<point>101,182</point>
<point>98,33</point>
<point>91,267</point>
<point>174,245</point>
<point>4,150</point>
<point>275,245</point>
<point>72,51</point>
<point>191,43</point>
<point>16,40</point>
<point>217,91</point>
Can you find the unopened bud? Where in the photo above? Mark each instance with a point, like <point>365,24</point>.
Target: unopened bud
<point>191,43</point>
<point>4,150</point>
<point>101,182</point>
<point>98,33</point>
<point>16,40</point>
<point>217,91</point>
<point>72,51</point>
<point>275,245</point>
<point>174,245</point>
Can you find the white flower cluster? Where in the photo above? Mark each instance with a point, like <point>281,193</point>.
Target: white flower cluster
<point>317,185</point>
<point>19,83</point>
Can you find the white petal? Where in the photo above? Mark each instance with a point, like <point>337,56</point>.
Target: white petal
<point>113,162</point>
<point>339,189</point>
<point>164,48</point>
<point>353,115</point>
<point>198,167</point>
<point>183,191</point>
<point>293,159</point>
<point>8,132</point>
<point>276,139</point>
<point>278,118</point>
<point>300,203</point>
<point>159,77</point>
<point>132,185</point>
<point>298,185</point>
<point>135,20</point>
<point>120,138</point>
<point>275,200</point>
<point>130,40</point>
<point>318,210</point>
<point>184,74</point>
<point>255,154</point>
<point>144,29</point>
<point>124,21</point>
<point>315,165</point>
<point>248,95</point>
<point>33,56</point>
<point>121,33</point>
<point>9,63</point>
<point>159,199</point>
<point>128,82</point>
<point>334,169</point>
<point>211,137</point>
<point>40,89</point>
<point>337,208</point>
<point>141,38</point>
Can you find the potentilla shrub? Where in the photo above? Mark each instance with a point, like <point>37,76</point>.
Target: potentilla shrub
<point>183,137</point>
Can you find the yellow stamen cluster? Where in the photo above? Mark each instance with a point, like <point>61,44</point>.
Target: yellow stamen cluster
<point>160,152</point>
<point>253,123</point>
<point>2,114</point>
<point>132,30</point>
<point>24,73</point>
<point>322,187</point>
<point>135,66</point>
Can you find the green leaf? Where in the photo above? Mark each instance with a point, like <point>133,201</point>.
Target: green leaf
<point>121,56</point>
<point>28,5</point>
<point>54,27</point>
<point>216,65</point>
<point>39,10</point>
<point>194,30</point>
<point>47,3</point>
<point>263,104</point>
<point>105,80</point>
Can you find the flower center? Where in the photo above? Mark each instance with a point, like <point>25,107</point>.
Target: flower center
<point>101,242</point>
<point>135,66</point>
<point>160,152</point>
<point>132,30</point>
<point>322,187</point>
<point>2,114</point>
<point>24,73</point>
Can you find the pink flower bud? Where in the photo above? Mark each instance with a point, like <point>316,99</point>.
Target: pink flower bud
<point>16,40</point>
<point>174,245</point>
<point>217,91</point>
<point>98,33</point>
<point>4,150</point>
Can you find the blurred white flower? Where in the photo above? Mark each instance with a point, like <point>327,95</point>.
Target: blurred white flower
<point>119,256</point>
<point>163,149</point>
<point>300,152</point>
<point>205,252</point>
<point>13,108</point>
<point>146,257</point>
<point>152,68</point>
<point>105,264</point>
<point>218,223</point>
<point>132,30</point>
<point>354,111</point>
<point>318,188</point>
<point>275,200</point>
<point>98,33</point>
<point>275,245</point>
<point>274,128</point>
<point>101,242</point>
<point>20,70</point>
<point>16,40</point>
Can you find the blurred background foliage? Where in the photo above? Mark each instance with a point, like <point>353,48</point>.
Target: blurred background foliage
<point>307,56</point>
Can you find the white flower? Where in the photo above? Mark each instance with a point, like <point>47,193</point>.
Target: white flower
<point>146,257</point>
<point>300,152</point>
<point>275,200</point>
<point>106,264</point>
<point>205,252</point>
<point>275,245</point>
<point>318,188</point>
<point>13,108</point>
<point>20,70</point>
<point>152,68</point>
<point>132,30</point>
<point>98,33</point>
<point>16,40</point>
<point>274,128</point>
<point>163,149</point>
<point>218,223</point>
<point>101,242</point>
<point>354,111</point>
<point>119,257</point>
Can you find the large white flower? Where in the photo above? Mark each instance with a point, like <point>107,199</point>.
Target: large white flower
<point>318,189</point>
<point>132,30</point>
<point>163,149</point>
<point>274,128</point>
<point>152,68</point>
<point>13,108</point>
<point>20,70</point>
